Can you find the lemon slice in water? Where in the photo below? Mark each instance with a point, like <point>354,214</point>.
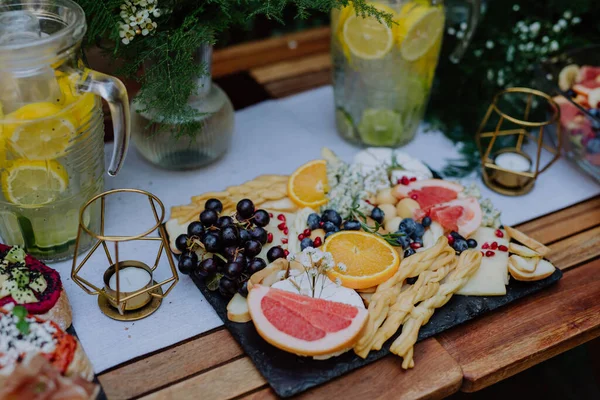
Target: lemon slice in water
<point>367,37</point>
<point>37,182</point>
<point>420,27</point>
<point>44,132</point>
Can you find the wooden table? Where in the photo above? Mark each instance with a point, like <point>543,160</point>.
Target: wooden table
<point>468,358</point>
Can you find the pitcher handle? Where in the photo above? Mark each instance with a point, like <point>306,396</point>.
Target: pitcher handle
<point>113,91</point>
<point>475,13</point>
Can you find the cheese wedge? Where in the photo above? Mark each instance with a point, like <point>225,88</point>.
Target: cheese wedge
<point>543,270</point>
<point>492,276</point>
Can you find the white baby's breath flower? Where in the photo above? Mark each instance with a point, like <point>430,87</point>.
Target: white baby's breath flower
<point>342,267</point>
<point>489,44</point>
<point>521,47</point>
<point>556,28</point>
<point>490,75</point>
<point>478,53</point>
<point>534,28</point>
<point>460,34</point>
<point>562,23</point>
<point>567,14</point>
<point>553,45</point>
<point>545,39</point>
<point>338,281</point>
<point>451,31</point>
<point>463,26</point>
<point>516,7</point>
<point>529,46</point>
<point>544,50</point>
<point>575,20</point>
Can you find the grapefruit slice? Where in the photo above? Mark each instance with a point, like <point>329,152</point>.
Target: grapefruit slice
<point>304,325</point>
<point>460,215</point>
<point>429,192</point>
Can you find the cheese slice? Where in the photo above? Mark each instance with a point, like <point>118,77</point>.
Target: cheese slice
<point>277,233</point>
<point>492,276</point>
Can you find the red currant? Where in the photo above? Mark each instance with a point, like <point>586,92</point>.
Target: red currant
<point>300,236</point>
<point>318,242</point>
<point>306,232</point>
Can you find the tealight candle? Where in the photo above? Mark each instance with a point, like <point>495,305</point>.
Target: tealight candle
<point>131,279</point>
<point>513,161</point>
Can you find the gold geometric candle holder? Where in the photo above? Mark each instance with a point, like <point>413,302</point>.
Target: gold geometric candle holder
<point>129,291</point>
<point>513,170</point>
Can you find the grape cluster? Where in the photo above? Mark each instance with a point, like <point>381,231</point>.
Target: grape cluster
<point>230,246</point>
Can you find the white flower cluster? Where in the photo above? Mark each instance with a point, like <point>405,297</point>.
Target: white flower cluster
<point>136,16</point>
<point>314,260</point>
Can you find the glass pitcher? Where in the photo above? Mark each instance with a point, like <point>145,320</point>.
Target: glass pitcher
<point>51,127</point>
<point>382,74</point>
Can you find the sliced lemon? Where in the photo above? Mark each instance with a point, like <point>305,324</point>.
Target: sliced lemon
<point>44,132</point>
<point>81,104</point>
<point>420,27</point>
<point>34,182</point>
<point>368,38</point>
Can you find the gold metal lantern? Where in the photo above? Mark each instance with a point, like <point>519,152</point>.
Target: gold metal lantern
<point>513,170</point>
<point>129,291</point>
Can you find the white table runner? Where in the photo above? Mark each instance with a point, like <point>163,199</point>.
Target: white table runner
<point>274,136</point>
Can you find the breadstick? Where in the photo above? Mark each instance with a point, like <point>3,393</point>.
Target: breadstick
<point>388,291</point>
<point>468,262</point>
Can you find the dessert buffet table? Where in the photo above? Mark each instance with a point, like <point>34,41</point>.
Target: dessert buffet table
<point>183,351</point>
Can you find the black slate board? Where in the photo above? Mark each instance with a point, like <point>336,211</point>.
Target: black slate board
<point>289,374</point>
<point>101,394</point>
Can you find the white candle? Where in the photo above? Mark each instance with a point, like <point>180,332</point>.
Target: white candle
<point>513,162</point>
<point>131,279</point>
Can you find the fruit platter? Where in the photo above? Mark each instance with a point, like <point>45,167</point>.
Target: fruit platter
<point>342,263</point>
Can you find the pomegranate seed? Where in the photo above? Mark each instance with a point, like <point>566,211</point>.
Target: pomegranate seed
<point>270,215</point>
<point>415,245</point>
<point>318,242</point>
<point>502,248</point>
<point>482,254</point>
<point>284,240</point>
<point>281,217</point>
<point>321,223</point>
<point>286,252</point>
<point>414,196</point>
<point>306,232</point>
<point>486,245</point>
<point>490,253</point>
<point>281,226</point>
<point>494,246</point>
<point>414,178</point>
<point>499,233</point>
<point>404,180</point>
<point>450,239</point>
<point>300,236</point>
<point>368,202</point>
<point>285,231</point>
<point>269,237</point>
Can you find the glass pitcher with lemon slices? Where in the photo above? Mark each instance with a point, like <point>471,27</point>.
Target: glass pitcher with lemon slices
<point>382,74</point>
<point>51,127</point>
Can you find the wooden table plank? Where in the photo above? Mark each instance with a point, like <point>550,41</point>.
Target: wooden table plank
<point>501,344</point>
<point>170,365</point>
<point>563,223</point>
<point>576,249</point>
<point>230,380</point>
<point>435,376</point>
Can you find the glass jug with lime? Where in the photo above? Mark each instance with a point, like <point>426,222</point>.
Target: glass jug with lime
<point>382,73</point>
<point>51,127</point>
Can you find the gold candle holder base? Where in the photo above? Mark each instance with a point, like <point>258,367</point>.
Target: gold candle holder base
<point>133,315</point>
<point>507,191</point>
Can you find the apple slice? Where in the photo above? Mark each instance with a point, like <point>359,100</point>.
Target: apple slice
<point>237,309</point>
<point>543,270</point>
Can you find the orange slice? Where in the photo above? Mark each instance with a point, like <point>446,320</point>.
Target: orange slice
<point>308,184</point>
<point>368,259</point>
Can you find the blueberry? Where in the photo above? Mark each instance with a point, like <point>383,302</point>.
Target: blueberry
<point>330,227</point>
<point>230,236</point>
<point>181,242</point>
<point>351,225</point>
<point>258,233</point>
<point>209,217</point>
<point>213,204</point>
<point>472,243</point>
<point>460,245</point>
<point>408,226</point>
<point>261,218</point>
<point>306,242</point>
<point>256,265</point>
<point>224,221</point>
<point>411,281</point>
<point>593,146</point>
<point>426,222</point>
<point>332,216</point>
<point>456,235</point>
<point>403,240</point>
<point>195,229</point>
<point>418,240</point>
<point>274,253</point>
<point>377,214</point>
<point>571,93</point>
<point>409,252</point>
<point>418,232</point>
<point>244,235</point>
<point>243,290</point>
<point>313,221</point>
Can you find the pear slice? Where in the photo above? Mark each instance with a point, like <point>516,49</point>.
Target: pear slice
<point>543,270</point>
<point>527,265</point>
<point>522,251</point>
<point>527,241</point>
